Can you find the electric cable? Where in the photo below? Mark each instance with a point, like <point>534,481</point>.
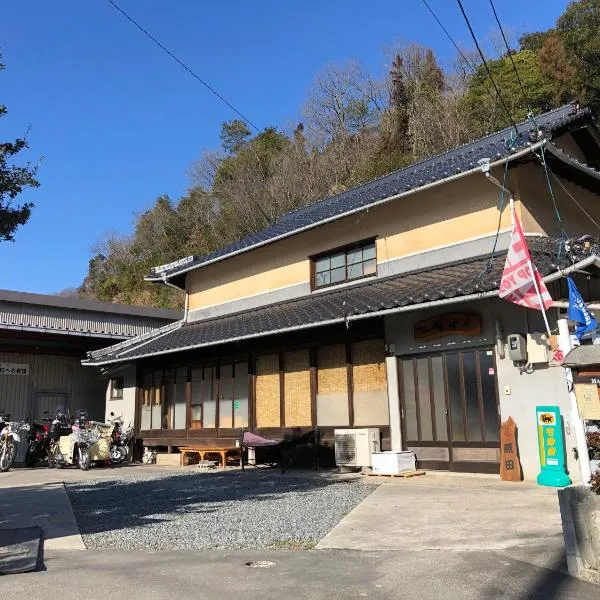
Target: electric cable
<point>460,52</point>
<point>564,235</point>
<point>467,61</point>
<point>487,68</point>
<point>508,51</point>
<point>182,64</point>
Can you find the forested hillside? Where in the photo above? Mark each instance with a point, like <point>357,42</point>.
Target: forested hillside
<point>355,127</point>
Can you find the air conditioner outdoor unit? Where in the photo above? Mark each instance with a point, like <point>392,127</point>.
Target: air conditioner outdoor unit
<point>353,447</point>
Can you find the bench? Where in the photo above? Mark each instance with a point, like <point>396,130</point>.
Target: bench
<point>202,451</point>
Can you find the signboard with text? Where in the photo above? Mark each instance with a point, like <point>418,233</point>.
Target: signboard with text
<point>551,447</point>
<point>14,369</point>
<point>588,400</point>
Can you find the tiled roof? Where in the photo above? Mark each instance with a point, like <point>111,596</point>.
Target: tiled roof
<point>435,169</point>
<point>369,298</point>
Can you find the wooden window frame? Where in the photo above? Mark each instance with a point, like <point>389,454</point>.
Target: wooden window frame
<point>345,249</point>
<point>118,396</point>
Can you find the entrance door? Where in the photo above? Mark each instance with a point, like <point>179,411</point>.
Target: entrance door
<point>450,410</point>
<point>47,401</point>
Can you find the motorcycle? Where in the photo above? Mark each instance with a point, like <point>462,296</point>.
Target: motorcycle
<point>71,443</point>
<point>38,441</point>
<point>119,442</point>
<point>9,437</point>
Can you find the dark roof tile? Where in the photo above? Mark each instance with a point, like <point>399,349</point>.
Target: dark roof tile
<point>370,296</point>
<point>430,170</point>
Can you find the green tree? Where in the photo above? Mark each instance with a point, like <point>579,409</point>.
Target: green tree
<point>13,180</point>
<point>234,134</point>
<point>579,28</point>
<point>485,111</point>
<point>533,41</point>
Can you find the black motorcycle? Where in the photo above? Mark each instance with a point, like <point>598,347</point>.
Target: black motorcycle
<point>38,441</point>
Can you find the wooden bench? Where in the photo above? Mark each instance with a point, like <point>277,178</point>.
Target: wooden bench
<point>203,451</point>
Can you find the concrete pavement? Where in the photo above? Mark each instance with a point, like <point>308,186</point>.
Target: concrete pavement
<point>305,575</point>
<point>46,505</point>
<point>438,512</point>
<point>433,537</point>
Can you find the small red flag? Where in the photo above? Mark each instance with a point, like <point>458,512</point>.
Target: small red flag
<point>517,284</point>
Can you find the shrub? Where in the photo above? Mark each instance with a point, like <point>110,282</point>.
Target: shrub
<point>593,444</point>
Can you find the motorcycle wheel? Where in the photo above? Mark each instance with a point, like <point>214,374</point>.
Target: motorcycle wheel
<point>8,452</point>
<point>83,458</point>
<point>30,459</point>
<point>118,455</point>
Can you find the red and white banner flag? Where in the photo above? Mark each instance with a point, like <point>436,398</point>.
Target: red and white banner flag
<point>517,284</point>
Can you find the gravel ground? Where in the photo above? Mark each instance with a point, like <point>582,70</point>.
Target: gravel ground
<point>254,509</point>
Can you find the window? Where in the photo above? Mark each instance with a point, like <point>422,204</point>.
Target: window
<point>116,388</point>
<point>228,393</point>
<point>354,262</point>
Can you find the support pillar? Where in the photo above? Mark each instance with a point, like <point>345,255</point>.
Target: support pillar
<point>391,365</point>
<point>564,343</point>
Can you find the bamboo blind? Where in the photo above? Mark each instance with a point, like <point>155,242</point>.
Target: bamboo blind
<point>370,384</point>
<point>332,377</point>
<point>368,366</point>
<point>268,413</point>
<point>296,386</point>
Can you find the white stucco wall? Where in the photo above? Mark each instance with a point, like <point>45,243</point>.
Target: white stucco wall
<point>546,385</point>
<point>124,408</point>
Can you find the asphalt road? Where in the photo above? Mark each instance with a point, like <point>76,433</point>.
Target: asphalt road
<point>317,574</point>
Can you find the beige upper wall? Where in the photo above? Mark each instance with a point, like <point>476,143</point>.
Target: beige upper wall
<point>538,214</point>
<point>445,214</point>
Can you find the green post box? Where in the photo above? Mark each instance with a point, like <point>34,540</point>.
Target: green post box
<point>551,447</point>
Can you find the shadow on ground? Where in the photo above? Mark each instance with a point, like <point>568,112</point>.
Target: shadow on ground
<point>212,509</point>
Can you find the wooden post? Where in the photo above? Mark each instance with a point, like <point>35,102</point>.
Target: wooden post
<point>510,467</point>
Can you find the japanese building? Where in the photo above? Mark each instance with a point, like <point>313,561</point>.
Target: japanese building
<point>379,307</point>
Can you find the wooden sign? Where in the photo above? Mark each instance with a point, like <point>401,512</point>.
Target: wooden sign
<point>467,324</point>
<point>588,400</point>
<point>510,467</point>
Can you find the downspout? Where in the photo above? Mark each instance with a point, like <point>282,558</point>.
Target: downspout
<point>484,163</point>
<point>185,310</point>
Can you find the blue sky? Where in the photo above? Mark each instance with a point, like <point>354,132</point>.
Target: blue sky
<point>117,123</point>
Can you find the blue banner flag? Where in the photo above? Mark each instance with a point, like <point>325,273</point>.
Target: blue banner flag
<point>579,312</point>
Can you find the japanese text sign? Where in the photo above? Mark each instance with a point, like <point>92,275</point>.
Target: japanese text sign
<point>14,369</point>
<point>551,447</point>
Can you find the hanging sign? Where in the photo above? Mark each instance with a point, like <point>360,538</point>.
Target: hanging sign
<point>467,324</point>
<point>551,447</point>
<point>14,369</point>
<point>588,401</point>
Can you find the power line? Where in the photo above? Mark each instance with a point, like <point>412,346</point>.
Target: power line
<point>460,52</point>
<point>525,97</point>
<point>485,65</point>
<point>182,64</point>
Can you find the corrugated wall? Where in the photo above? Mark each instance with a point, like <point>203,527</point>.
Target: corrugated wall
<point>51,380</point>
<point>15,315</point>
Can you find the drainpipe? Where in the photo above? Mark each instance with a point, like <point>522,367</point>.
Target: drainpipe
<point>564,343</point>
<point>484,163</point>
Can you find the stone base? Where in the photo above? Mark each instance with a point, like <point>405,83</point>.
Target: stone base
<point>168,460</point>
<point>580,514</point>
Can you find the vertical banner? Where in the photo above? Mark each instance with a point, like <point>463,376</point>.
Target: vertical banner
<point>551,447</point>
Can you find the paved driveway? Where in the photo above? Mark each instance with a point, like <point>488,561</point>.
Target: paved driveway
<point>435,537</point>
<point>456,513</point>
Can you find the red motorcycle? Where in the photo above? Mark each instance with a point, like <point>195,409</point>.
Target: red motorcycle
<point>38,441</point>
